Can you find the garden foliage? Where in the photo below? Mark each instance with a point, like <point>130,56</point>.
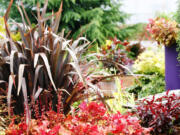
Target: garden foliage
<point>4,119</point>
<point>43,74</point>
<point>121,99</point>
<point>151,61</point>
<point>41,67</point>
<point>15,36</point>
<point>91,119</point>
<point>178,36</point>
<point>163,30</point>
<point>160,113</point>
<point>151,64</point>
<point>177,13</point>
<point>115,55</point>
<point>148,85</point>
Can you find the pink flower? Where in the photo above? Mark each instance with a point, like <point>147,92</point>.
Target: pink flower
<point>54,130</point>
<point>83,106</point>
<point>151,21</point>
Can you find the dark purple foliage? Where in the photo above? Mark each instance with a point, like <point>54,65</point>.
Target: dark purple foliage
<point>160,113</point>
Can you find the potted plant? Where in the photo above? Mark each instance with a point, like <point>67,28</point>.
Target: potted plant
<point>164,31</point>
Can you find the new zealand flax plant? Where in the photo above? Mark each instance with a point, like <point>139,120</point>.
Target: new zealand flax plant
<point>42,65</point>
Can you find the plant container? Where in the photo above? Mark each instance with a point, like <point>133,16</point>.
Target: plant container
<point>172,68</point>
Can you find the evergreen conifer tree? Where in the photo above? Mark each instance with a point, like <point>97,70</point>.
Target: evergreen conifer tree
<point>95,19</point>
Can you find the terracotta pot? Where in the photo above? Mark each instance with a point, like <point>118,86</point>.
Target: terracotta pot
<point>108,86</point>
<point>178,130</point>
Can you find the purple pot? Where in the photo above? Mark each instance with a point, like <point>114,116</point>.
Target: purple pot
<point>172,68</point>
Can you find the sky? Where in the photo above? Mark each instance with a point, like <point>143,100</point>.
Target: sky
<point>142,10</point>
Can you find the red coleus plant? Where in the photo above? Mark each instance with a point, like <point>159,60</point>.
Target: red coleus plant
<point>163,30</point>
<point>161,113</point>
<point>91,119</point>
<point>50,123</point>
<point>115,54</point>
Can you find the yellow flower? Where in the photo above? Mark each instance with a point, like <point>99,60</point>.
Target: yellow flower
<point>108,42</point>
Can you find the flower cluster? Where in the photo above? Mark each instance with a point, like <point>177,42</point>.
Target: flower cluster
<point>164,31</point>
<point>91,119</point>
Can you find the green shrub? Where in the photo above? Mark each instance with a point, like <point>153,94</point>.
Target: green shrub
<point>95,19</point>
<point>151,63</point>
<point>148,85</point>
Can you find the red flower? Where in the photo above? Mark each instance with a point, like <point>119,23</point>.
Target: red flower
<point>54,130</point>
<point>23,126</point>
<point>104,52</point>
<point>116,41</point>
<point>125,43</point>
<point>80,85</point>
<point>109,47</point>
<point>96,109</point>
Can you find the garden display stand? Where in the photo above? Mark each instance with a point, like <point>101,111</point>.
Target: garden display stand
<point>172,68</point>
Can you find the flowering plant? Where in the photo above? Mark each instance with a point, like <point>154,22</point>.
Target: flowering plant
<point>91,119</point>
<point>164,31</point>
<point>115,54</point>
<point>115,50</point>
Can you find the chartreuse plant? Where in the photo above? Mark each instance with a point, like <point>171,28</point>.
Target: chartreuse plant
<point>2,28</point>
<point>15,36</point>
<point>150,62</point>
<point>120,99</point>
<point>43,68</point>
